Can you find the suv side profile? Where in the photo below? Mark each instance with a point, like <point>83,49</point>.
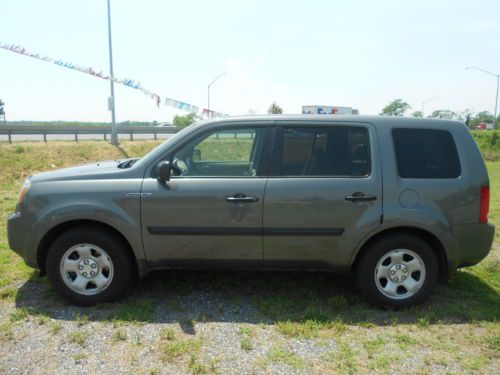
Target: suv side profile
<point>398,202</point>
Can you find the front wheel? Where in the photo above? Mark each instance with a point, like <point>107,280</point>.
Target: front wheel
<point>397,271</point>
<point>89,265</point>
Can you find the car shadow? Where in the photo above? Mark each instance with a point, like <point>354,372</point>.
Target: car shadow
<point>185,297</point>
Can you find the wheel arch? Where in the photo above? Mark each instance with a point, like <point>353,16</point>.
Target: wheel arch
<point>56,231</point>
<point>436,245</point>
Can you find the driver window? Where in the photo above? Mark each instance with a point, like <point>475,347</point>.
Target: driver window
<point>221,153</point>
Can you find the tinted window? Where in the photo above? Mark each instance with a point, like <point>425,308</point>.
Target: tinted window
<point>310,151</point>
<point>426,153</point>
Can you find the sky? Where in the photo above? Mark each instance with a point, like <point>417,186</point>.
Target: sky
<point>360,54</point>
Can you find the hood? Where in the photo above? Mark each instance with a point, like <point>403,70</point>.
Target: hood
<point>82,172</point>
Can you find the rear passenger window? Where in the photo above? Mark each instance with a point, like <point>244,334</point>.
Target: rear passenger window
<point>336,152</point>
<point>426,153</point>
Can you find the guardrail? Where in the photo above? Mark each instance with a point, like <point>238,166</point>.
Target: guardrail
<point>78,130</point>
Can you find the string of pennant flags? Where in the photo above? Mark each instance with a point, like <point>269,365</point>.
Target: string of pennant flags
<point>205,112</point>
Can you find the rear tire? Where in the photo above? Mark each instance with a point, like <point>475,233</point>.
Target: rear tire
<point>88,265</point>
<point>397,271</point>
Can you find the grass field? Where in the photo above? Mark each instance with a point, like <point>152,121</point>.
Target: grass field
<point>272,322</point>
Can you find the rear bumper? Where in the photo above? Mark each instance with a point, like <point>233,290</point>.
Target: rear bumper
<point>473,244</point>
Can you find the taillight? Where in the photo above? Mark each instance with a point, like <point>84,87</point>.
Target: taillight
<point>485,204</point>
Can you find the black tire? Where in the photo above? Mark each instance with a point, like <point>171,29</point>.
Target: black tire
<point>117,251</point>
<point>365,270</point>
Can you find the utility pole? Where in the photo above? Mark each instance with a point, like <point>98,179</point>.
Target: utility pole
<point>208,88</point>
<point>426,101</point>
<point>111,99</point>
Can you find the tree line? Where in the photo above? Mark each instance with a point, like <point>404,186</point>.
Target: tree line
<point>398,107</point>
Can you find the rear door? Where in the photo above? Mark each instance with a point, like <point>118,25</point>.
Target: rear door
<point>323,195</point>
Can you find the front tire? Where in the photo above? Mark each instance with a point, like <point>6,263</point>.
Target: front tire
<point>397,271</point>
<point>88,265</point>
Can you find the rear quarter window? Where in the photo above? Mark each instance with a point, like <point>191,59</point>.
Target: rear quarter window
<point>426,153</point>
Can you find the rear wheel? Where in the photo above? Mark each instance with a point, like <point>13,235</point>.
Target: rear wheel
<point>397,271</point>
<point>89,265</point>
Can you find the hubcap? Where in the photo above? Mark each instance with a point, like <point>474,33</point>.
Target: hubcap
<point>86,269</point>
<point>400,274</point>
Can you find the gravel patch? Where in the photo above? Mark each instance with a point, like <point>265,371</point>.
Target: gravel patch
<point>194,326</point>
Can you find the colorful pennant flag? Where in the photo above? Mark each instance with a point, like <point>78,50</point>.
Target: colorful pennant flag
<point>122,81</point>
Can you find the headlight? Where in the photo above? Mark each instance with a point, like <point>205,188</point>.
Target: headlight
<point>22,193</point>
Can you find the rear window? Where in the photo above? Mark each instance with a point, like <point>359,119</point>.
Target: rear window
<point>426,153</point>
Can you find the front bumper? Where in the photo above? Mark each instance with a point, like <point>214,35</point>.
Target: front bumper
<point>17,234</point>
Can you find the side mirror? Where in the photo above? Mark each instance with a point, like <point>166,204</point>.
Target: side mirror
<point>196,154</point>
<point>163,171</point>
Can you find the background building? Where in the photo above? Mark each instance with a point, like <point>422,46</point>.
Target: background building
<point>328,110</point>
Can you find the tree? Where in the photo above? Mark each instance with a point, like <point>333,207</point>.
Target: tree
<point>183,121</point>
<point>395,108</point>
<point>275,109</point>
<point>2,110</point>
<point>444,114</point>
<point>483,116</point>
<point>417,114</point>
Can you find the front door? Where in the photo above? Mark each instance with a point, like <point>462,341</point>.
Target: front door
<point>324,193</point>
<point>210,212</point>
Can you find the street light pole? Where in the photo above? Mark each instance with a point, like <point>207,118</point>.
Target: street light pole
<point>498,82</point>
<point>111,99</point>
<point>208,88</point>
<point>426,101</point>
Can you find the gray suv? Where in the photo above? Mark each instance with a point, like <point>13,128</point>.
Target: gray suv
<point>397,202</point>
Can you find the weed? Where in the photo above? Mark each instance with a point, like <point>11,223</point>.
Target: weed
<point>175,349</point>
<point>119,335</point>
<point>474,362</point>
<point>280,354</point>
<point>167,334</point>
<point>136,311</point>
<point>18,149</point>
<point>55,328</point>
<point>79,357</point>
<point>18,315</point>
<point>246,331</point>
<point>405,341</point>
<point>374,346</point>
<point>77,338</point>
<point>196,367</point>
<point>6,333</point>
<point>246,343</point>
<point>81,320</point>
<point>344,359</point>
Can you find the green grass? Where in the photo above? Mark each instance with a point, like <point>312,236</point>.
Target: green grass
<point>489,143</point>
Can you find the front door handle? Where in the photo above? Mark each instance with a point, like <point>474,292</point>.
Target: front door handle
<point>241,198</point>
<point>360,197</point>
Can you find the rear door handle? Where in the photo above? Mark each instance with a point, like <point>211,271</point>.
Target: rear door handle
<point>241,198</point>
<point>360,197</point>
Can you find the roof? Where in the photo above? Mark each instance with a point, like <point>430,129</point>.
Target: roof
<point>376,120</point>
